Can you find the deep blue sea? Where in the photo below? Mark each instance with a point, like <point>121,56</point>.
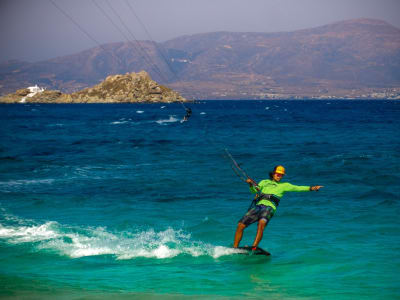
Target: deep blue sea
<point>126,202</point>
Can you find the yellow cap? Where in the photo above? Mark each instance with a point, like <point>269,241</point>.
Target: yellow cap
<point>279,170</point>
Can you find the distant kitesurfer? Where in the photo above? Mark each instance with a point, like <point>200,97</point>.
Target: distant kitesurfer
<point>269,192</point>
<point>188,114</point>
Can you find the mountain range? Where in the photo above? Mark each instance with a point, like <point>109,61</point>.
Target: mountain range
<point>352,59</point>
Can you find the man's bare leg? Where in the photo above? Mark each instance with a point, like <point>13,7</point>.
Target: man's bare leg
<point>260,231</point>
<point>238,234</point>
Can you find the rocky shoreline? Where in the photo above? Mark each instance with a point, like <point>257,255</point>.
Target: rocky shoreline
<point>128,88</point>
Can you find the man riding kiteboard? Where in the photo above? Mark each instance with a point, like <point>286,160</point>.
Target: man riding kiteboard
<point>269,193</point>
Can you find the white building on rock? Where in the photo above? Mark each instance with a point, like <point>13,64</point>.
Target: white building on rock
<point>33,90</point>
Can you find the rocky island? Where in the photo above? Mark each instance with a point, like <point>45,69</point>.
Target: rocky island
<point>128,88</point>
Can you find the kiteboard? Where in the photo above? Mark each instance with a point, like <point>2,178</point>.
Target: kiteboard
<point>249,251</point>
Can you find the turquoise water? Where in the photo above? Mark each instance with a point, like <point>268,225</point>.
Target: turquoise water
<point>124,201</point>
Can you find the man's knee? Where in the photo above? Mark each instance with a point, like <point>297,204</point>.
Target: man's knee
<point>262,223</point>
<point>241,226</point>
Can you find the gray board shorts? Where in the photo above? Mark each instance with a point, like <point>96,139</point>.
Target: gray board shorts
<point>257,213</point>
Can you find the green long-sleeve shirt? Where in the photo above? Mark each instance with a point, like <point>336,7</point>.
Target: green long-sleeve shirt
<point>278,189</point>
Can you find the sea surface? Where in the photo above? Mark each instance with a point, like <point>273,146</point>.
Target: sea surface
<point>126,202</point>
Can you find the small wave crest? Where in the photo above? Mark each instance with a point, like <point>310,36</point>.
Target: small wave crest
<point>171,119</point>
<point>120,121</point>
<point>78,242</point>
<point>56,125</point>
<point>19,184</point>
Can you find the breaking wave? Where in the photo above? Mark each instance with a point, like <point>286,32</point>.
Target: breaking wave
<point>76,241</point>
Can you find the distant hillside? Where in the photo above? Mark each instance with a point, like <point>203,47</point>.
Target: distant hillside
<point>128,88</point>
<point>355,58</point>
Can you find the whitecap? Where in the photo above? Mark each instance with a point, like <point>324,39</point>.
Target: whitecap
<point>80,241</point>
<point>118,122</point>
<point>24,234</point>
<point>139,111</point>
<point>171,119</point>
<point>164,252</point>
<point>21,182</point>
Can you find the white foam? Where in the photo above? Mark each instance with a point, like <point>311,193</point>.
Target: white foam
<point>139,111</point>
<point>27,181</point>
<point>12,185</point>
<point>203,113</point>
<point>164,252</point>
<point>78,241</point>
<point>219,251</point>
<point>23,234</point>
<point>171,119</point>
<point>118,122</point>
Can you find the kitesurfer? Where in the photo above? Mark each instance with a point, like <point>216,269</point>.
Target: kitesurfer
<point>188,114</point>
<point>269,193</point>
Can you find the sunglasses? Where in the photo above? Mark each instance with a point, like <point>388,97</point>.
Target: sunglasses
<point>279,175</point>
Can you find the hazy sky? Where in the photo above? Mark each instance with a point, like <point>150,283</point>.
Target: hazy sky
<point>34,30</point>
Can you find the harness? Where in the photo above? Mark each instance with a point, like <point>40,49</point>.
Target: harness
<point>260,196</point>
<point>269,197</point>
